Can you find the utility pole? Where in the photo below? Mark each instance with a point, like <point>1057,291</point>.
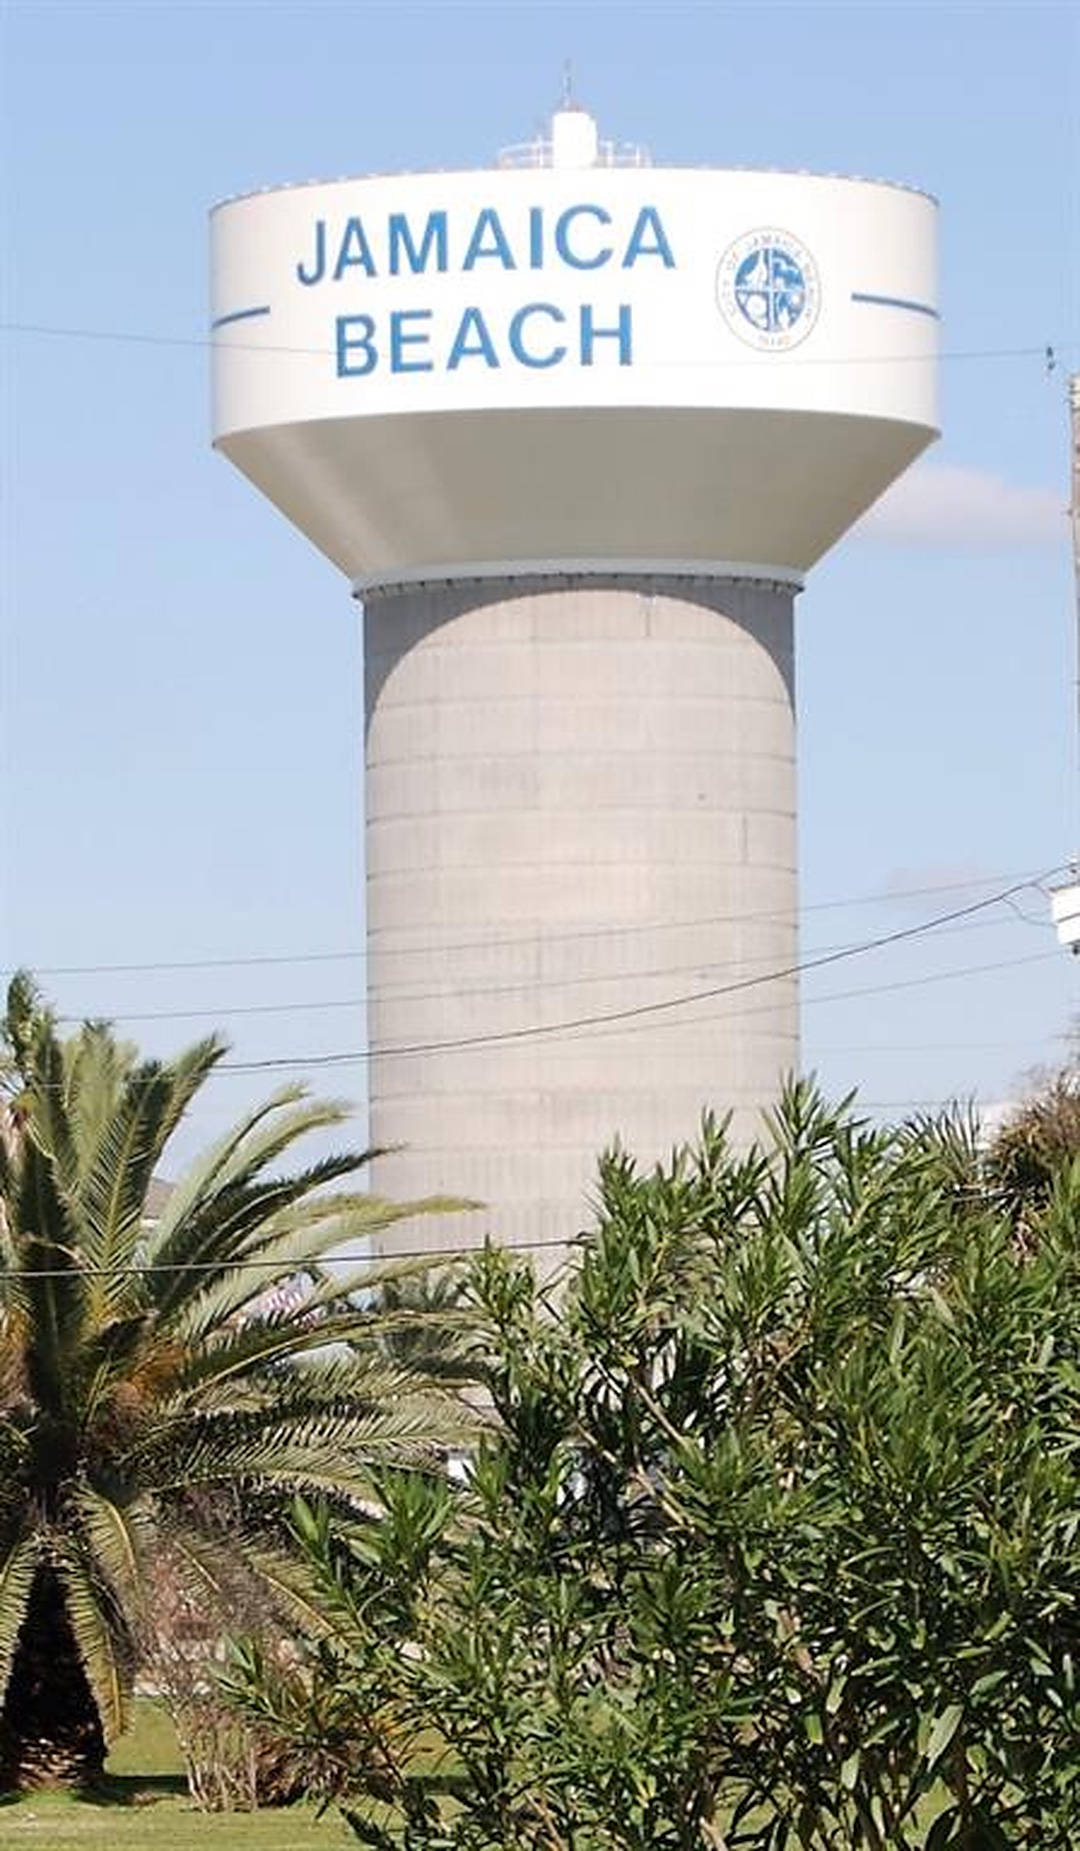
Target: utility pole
<point>1074,518</point>
<point>1065,901</point>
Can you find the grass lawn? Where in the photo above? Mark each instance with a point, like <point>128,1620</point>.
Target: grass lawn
<point>148,1806</point>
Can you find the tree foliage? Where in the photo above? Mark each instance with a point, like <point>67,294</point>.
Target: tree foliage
<point>1037,1140</point>
<point>776,1542</point>
<point>167,1383</point>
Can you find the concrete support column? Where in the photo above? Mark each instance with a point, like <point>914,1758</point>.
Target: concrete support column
<point>580,804</point>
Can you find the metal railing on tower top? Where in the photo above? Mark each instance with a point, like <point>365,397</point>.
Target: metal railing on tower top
<point>541,153</point>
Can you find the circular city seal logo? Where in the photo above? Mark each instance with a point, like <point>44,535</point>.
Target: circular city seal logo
<point>767,290</point>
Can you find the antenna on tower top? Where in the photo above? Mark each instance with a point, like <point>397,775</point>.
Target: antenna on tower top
<point>568,85</point>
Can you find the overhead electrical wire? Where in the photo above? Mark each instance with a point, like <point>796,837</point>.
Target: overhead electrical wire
<point>927,1047</point>
<point>436,1256</point>
<point>137,1270</point>
<point>137,338</point>
<point>816,961</point>
<point>871,989</point>
<point>439,1256</point>
<point>444,1256</point>
<point>359,1057</point>
<point>725,1016</point>
<point>455,992</point>
<point>639,1011</point>
<point>525,941</point>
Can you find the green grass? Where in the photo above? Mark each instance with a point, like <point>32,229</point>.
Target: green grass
<point>147,1809</point>
<point>149,1749</point>
<point>164,1824</point>
<point>52,1823</point>
<point>147,1806</point>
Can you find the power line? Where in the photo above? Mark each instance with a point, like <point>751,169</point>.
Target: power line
<point>305,1264</point>
<point>524,942</point>
<point>837,996</point>
<point>437,1256</point>
<point>833,996</point>
<point>840,996</point>
<point>928,1047</point>
<point>139,338</point>
<point>454,992</point>
<point>637,1011</point>
<point>941,976</point>
<point>360,1057</point>
<point>917,1105</point>
<point>302,1265</point>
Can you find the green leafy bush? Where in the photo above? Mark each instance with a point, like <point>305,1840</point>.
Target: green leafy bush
<point>772,1542</point>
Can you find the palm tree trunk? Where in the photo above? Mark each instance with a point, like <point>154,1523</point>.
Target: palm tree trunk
<point>50,1730</point>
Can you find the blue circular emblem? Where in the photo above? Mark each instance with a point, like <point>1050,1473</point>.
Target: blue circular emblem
<point>767,289</point>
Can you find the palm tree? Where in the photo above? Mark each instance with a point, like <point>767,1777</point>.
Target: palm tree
<point>164,1385</point>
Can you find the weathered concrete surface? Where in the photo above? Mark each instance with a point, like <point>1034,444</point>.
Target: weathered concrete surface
<point>580,801</point>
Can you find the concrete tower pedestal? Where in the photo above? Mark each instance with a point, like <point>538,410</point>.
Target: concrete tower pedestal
<point>580,803</point>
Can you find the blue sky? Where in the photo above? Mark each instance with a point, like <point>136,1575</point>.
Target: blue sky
<point>180,702</point>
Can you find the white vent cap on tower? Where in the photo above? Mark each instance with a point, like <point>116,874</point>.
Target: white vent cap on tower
<point>575,139</point>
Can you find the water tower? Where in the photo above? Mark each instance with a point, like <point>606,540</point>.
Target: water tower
<point>574,428</point>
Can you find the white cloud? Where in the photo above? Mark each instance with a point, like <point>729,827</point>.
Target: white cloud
<point>954,883</point>
<point>948,505</point>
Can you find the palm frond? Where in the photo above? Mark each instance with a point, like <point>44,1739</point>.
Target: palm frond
<point>358,1381</point>
<point>25,1021</point>
<point>222,1232</point>
<point>187,1072</point>
<point>15,1456</point>
<point>217,1304</point>
<point>326,1447</point>
<point>96,1066</point>
<point>241,1154</point>
<point>113,1196</point>
<point>115,1543</point>
<point>290,1242</point>
<point>115,1354</point>
<point>133,1127</point>
<point>291,1585</point>
<point>17,1571</point>
<point>100,1635</point>
<point>46,1106</point>
<point>207,1562</point>
<point>14,1331</point>
<point>9,1159</point>
<point>256,1350</point>
<point>210,1169</point>
<point>50,1279</point>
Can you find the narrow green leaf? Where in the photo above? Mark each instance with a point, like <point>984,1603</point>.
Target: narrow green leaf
<point>942,1732</point>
